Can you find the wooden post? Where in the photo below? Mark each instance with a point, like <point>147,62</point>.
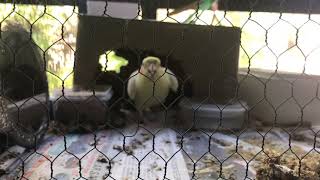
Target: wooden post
<point>149,9</point>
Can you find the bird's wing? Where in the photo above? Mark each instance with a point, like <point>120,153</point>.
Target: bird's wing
<point>173,81</point>
<point>131,89</point>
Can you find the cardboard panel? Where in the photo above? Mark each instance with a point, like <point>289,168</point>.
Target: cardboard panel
<point>209,55</point>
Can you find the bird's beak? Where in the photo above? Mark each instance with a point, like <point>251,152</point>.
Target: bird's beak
<point>152,70</point>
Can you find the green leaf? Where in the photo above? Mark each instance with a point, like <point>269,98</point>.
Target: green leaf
<point>203,5</point>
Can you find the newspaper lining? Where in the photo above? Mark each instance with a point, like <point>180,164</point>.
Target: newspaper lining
<point>124,166</point>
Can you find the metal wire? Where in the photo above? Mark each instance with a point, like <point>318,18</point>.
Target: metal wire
<point>265,147</point>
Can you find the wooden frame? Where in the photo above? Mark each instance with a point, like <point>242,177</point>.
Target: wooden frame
<point>292,6</point>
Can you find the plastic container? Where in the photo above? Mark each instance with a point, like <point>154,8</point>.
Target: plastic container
<point>208,115</point>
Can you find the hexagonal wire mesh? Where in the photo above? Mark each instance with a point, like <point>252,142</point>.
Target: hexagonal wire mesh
<point>210,90</point>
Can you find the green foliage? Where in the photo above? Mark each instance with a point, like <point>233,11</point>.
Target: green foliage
<point>46,25</point>
<point>111,62</point>
<point>249,36</point>
<point>201,7</point>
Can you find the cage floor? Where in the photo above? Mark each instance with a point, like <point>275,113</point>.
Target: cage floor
<point>101,155</point>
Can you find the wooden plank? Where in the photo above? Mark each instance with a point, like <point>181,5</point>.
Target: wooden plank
<point>289,6</point>
<point>158,3</point>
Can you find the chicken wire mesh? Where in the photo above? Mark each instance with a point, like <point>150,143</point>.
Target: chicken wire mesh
<point>71,133</point>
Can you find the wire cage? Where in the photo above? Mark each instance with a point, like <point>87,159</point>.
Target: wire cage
<point>169,89</point>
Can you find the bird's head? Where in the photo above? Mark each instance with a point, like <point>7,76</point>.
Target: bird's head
<point>150,66</point>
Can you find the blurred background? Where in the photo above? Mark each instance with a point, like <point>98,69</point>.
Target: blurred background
<point>259,49</point>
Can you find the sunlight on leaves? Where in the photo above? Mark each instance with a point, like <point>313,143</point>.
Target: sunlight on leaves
<point>111,62</point>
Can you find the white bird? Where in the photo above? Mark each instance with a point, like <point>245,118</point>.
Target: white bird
<point>151,85</point>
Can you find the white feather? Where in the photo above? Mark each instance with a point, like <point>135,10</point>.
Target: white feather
<point>146,92</point>
<point>131,89</point>
<point>173,81</point>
